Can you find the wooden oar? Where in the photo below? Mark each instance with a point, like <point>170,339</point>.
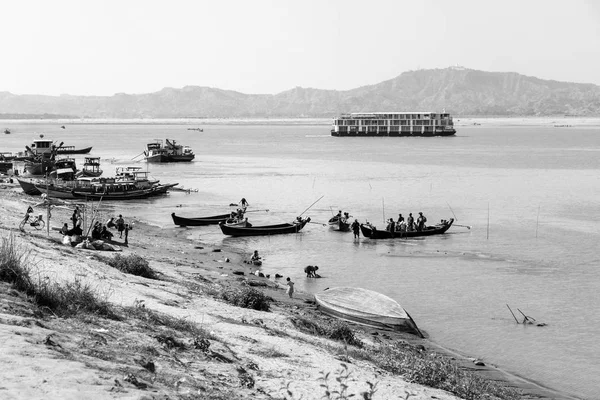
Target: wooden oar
<point>317,223</point>
<point>463,226</point>
<point>267,210</point>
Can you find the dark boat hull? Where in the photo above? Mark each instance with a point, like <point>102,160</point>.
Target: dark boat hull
<point>263,230</point>
<point>161,158</point>
<point>5,166</point>
<point>29,187</point>
<point>63,150</point>
<point>200,221</point>
<point>447,132</point>
<point>374,233</point>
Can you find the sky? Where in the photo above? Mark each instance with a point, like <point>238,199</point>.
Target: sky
<point>103,47</point>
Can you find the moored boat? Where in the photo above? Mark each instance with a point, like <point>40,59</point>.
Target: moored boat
<point>277,229</point>
<point>393,124</point>
<point>72,150</point>
<point>339,223</point>
<point>156,152</point>
<point>200,221</point>
<point>91,167</point>
<point>369,231</point>
<point>121,191</point>
<point>366,307</point>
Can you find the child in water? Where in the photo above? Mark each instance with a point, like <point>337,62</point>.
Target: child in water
<point>290,289</point>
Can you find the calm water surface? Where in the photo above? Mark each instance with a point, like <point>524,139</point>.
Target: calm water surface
<point>531,195</point>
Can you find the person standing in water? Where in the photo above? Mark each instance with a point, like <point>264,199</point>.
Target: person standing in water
<point>290,289</point>
<point>355,228</point>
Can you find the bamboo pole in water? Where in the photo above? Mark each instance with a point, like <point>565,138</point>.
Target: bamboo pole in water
<point>537,223</point>
<point>488,222</point>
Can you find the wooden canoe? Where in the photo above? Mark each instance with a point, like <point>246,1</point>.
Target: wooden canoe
<point>372,232</point>
<point>366,307</point>
<point>200,221</point>
<point>278,229</point>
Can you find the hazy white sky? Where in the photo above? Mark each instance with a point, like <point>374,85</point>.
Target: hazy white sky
<point>102,47</point>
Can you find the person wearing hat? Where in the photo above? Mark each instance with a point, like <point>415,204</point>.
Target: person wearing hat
<point>421,222</point>
<point>120,222</point>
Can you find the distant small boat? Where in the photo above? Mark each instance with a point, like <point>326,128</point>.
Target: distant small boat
<point>366,307</point>
<point>7,131</point>
<point>200,221</point>
<point>195,129</point>
<point>72,150</point>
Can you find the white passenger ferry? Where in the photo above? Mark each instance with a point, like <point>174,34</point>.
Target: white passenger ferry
<point>393,124</point>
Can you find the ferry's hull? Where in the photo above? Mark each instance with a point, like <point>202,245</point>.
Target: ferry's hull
<point>450,132</point>
<point>161,158</point>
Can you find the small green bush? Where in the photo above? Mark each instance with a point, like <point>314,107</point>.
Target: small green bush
<point>247,297</point>
<point>132,264</point>
<point>338,330</point>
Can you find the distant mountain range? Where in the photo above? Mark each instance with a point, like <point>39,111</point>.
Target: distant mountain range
<point>460,91</point>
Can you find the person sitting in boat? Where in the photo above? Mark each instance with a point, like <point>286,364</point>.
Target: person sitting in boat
<point>400,219</point>
<point>421,222</point>
<point>391,226</point>
<point>346,217</point>
<point>244,203</point>
<point>401,226</point>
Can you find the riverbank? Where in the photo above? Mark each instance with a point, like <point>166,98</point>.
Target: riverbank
<point>154,353</point>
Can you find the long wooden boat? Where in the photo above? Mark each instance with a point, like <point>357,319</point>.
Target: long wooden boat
<point>72,150</point>
<point>366,307</point>
<point>200,221</point>
<point>123,192</point>
<point>278,229</point>
<point>370,231</point>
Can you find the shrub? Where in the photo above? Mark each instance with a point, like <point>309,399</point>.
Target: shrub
<point>132,264</point>
<point>63,300</point>
<point>247,298</point>
<point>338,330</point>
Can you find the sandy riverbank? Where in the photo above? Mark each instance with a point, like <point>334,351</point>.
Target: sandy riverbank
<point>252,354</point>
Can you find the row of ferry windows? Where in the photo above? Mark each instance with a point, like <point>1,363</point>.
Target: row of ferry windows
<point>368,122</point>
<point>397,116</point>
<point>384,129</point>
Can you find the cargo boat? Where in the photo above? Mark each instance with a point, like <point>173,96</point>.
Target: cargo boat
<point>393,124</point>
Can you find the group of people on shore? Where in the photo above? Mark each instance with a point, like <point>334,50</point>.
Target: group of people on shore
<point>98,231</point>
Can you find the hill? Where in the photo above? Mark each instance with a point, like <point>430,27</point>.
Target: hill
<point>460,91</point>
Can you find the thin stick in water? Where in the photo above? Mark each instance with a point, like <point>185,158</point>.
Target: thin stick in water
<point>537,223</point>
<point>488,222</point>
<point>513,314</point>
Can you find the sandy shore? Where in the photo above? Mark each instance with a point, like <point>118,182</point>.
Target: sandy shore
<point>252,354</point>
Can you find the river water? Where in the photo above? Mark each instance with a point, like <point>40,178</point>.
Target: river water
<point>529,191</point>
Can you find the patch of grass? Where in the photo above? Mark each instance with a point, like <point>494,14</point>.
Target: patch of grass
<point>247,297</point>
<point>338,330</point>
<point>64,300</point>
<point>132,264</point>
<point>155,318</point>
<point>270,352</point>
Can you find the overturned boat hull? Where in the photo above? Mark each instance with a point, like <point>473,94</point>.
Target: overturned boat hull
<point>366,307</point>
